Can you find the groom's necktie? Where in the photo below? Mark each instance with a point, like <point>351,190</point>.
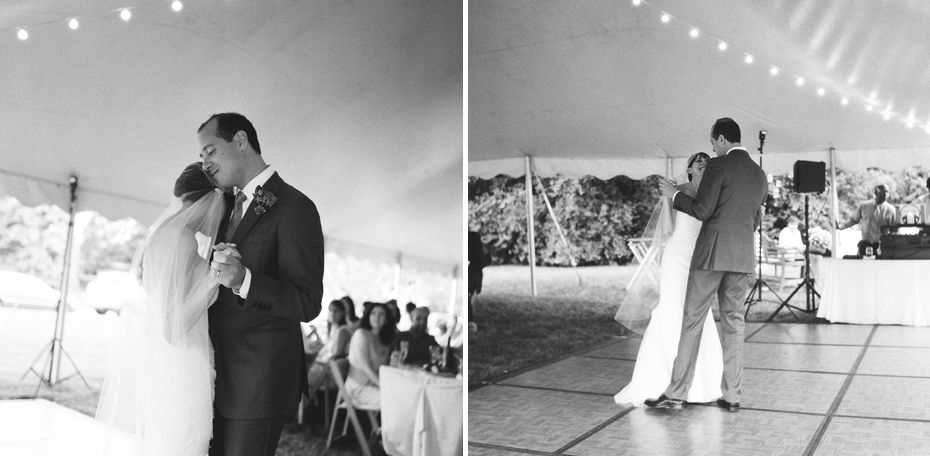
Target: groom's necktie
<point>236,216</point>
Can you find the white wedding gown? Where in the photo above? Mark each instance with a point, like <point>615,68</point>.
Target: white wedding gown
<point>653,370</point>
<point>159,385</point>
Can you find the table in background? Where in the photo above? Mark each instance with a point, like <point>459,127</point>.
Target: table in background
<point>421,413</point>
<point>886,292</point>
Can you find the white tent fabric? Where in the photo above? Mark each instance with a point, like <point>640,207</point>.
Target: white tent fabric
<point>605,88</point>
<point>357,104</point>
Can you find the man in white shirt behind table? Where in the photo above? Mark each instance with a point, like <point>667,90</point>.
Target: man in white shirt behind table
<point>871,216</point>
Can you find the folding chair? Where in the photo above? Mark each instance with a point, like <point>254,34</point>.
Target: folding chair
<point>344,401</point>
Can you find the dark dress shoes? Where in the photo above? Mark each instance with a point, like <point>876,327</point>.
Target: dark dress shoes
<point>730,406</point>
<point>665,402</point>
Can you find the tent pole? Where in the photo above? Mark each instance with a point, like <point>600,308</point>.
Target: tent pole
<point>455,283</point>
<point>834,202</point>
<point>531,235</point>
<point>668,167</point>
<point>55,347</point>
<point>556,220</point>
<point>397,269</point>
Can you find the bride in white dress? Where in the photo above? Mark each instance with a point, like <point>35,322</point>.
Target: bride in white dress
<point>656,297</point>
<point>159,382</point>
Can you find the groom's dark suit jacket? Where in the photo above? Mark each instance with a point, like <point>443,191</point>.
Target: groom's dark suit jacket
<point>728,200</point>
<point>257,341</point>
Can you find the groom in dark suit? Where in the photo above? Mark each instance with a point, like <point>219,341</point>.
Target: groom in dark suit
<point>728,201</point>
<point>270,266</point>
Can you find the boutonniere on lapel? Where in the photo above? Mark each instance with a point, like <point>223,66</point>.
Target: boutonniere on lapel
<point>263,200</point>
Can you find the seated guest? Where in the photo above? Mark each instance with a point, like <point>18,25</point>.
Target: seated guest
<point>417,338</point>
<point>395,311</point>
<point>338,333</point>
<point>790,237</point>
<point>369,349</point>
<point>351,318</point>
<point>871,217</point>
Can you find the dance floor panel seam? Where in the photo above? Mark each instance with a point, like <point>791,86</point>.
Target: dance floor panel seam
<point>799,398</point>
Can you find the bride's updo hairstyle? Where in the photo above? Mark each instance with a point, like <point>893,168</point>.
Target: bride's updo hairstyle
<point>692,159</point>
<point>193,183</point>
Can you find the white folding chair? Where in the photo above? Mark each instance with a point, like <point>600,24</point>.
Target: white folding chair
<point>343,401</point>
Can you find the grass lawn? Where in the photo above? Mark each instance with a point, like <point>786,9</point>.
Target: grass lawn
<point>574,309</point>
<point>87,336</point>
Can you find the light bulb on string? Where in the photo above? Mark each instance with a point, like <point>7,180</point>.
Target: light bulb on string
<point>873,95</point>
<point>749,58</point>
<point>722,46</point>
<point>176,5</point>
<point>869,108</point>
<point>695,32</point>
<point>125,15</point>
<point>844,101</point>
<point>799,81</point>
<point>910,123</point>
<point>73,24</point>
<point>637,2</point>
<point>887,115</point>
<point>22,34</point>
<point>821,92</point>
<point>774,71</point>
<point>666,18</point>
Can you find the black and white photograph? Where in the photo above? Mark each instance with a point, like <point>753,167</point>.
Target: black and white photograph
<point>698,228</point>
<point>232,227</point>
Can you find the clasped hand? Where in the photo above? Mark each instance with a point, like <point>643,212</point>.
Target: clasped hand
<point>667,186</point>
<point>226,268</point>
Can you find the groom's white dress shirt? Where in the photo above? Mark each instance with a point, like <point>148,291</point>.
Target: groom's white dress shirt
<point>249,191</point>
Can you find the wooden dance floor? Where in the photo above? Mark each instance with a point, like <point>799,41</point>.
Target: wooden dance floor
<point>42,428</point>
<point>808,389</point>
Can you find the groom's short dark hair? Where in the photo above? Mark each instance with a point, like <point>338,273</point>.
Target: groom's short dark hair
<point>230,123</point>
<point>728,128</point>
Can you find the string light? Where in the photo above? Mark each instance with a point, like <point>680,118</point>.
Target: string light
<point>125,13</point>
<point>870,103</point>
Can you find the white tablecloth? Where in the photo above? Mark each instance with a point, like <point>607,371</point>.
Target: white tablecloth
<point>888,292</point>
<point>421,414</point>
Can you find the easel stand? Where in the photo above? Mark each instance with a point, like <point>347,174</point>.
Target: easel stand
<point>50,373</point>
<point>807,283</point>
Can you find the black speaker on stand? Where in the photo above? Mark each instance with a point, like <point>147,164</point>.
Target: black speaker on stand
<point>809,177</point>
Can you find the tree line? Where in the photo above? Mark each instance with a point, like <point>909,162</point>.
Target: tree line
<point>598,216</point>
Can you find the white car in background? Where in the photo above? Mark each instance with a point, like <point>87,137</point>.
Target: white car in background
<point>29,292</point>
<point>111,290</point>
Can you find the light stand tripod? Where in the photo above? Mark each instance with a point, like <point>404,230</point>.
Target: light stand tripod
<point>51,370</point>
<point>807,283</point>
<point>755,293</point>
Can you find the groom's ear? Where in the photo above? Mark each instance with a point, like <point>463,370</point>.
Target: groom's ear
<point>241,139</point>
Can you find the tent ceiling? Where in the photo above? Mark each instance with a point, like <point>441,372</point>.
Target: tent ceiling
<point>603,87</point>
<point>357,104</point>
